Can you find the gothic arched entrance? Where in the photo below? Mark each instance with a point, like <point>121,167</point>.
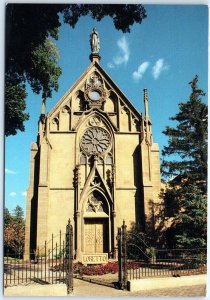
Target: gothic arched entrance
<point>96,224</point>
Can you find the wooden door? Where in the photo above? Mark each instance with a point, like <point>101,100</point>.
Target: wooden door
<point>99,243</point>
<point>96,235</point>
<point>89,238</point>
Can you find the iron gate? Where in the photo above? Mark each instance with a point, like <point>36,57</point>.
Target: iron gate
<point>137,259</point>
<point>52,264</point>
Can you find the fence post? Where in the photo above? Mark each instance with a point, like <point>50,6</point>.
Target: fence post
<point>119,246</point>
<point>69,258</point>
<point>124,256</point>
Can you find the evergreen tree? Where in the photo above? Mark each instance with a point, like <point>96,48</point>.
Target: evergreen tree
<point>188,140</point>
<point>18,214</point>
<point>190,223</point>
<point>7,216</point>
<point>185,195</point>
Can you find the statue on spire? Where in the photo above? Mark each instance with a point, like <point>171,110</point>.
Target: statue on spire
<point>94,42</point>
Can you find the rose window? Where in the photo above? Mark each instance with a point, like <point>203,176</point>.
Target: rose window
<point>95,140</point>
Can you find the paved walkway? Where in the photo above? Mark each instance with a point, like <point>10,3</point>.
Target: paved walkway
<point>84,288</point>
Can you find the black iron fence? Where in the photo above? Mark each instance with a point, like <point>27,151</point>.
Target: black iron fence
<point>138,260</point>
<point>53,264</point>
<point>167,262</point>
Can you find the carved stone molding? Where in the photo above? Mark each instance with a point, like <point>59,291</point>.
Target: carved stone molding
<point>95,121</point>
<point>95,93</point>
<point>94,204</point>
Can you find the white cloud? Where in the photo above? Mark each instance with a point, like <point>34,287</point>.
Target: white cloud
<point>123,56</point>
<point>158,68</point>
<point>140,71</point>
<point>24,194</point>
<point>110,65</point>
<point>13,194</point>
<point>8,171</point>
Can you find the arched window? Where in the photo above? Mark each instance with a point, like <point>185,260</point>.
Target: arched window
<point>55,124</point>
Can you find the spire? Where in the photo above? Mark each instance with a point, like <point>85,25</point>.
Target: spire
<point>147,123</point>
<point>95,46</point>
<point>146,108</point>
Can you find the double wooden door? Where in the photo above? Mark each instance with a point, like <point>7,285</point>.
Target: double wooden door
<point>96,235</point>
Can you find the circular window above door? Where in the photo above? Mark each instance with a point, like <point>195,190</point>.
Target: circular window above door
<point>95,141</point>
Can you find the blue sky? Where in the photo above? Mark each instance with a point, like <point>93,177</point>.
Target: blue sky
<point>163,54</point>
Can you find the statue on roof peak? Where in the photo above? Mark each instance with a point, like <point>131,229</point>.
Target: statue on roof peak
<point>94,42</point>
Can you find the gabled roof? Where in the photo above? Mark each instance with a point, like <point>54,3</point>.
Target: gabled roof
<point>118,90</point>
<point>108,79</point>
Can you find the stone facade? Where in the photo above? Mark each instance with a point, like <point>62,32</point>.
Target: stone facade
<point>94,162</point>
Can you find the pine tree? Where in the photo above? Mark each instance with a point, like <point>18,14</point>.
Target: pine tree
<point>7,216</point>
<point>190,223</point>
<point>18,214</point>
<point>185,195</point>
<point>188,140</point>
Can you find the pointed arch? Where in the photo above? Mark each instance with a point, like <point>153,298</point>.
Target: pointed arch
<point>95,181</point>
<point>95,112</point>
<point>96,202</point>
<point>78,102</point>
<point>111,103</point>
<point>65,118</point>
<point>54,125</point>
<point>87,122</point>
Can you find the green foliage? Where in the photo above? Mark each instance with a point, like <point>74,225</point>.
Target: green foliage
<point>18,214</point>
<point>137,234</point>
<point>151,251</point>
<point>188,140</point>
<point>191,221</point>
<point>31,55</point>
<point>14,231</point>
<point>123,15</point>
<point>15,105</point>
<point>185,195</point>
<point>45,72</point>
<point>7,216</point>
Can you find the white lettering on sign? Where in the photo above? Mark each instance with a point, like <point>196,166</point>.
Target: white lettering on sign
<point>100,258</point>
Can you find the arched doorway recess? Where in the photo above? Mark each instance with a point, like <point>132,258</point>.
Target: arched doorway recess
<point>96,222</point>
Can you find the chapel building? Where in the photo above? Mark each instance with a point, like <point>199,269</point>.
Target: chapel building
<point>94,162</point>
